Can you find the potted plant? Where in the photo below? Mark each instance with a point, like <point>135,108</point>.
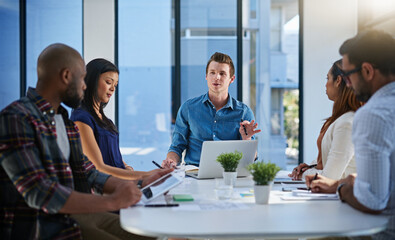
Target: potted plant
<point>263,175</point>
<point>229,162</point>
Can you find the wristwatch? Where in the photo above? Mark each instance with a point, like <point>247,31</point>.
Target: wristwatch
<point>140,183</point>
<point>338,191</point>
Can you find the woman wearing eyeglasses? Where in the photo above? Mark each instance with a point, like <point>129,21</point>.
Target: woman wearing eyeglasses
<point>335,149</point>
<point>99,135</point>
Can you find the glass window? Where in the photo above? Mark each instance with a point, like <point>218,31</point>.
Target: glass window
<point>47,22</point>
<point>206,27</point>
<point>291,86</point>
<point>270,79</point>
<point>275,28</point>
<point>9,52</point>
<point>276,108</point>
<point>145,63</point>
<point>253,5</point>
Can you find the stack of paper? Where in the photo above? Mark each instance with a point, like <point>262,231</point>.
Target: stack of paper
<point>288,187</point>
<point>308,195</point>
<point>288,180</point>
<point>188,168</point>
<point>191,168</point>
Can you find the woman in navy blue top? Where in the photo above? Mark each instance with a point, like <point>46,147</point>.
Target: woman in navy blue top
<point>99,135</point>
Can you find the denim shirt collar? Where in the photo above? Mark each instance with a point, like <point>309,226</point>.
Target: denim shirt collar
<point>229,104</point>
<point>44,106</point>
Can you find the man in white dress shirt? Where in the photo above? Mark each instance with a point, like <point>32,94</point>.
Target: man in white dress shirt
<point>369,68</point>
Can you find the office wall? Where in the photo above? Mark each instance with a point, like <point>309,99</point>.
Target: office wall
<point>99,36</point>
<point>326,24</point>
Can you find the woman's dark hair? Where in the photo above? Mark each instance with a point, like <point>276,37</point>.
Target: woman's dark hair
<point>94,69</point>
<point>345,102</point>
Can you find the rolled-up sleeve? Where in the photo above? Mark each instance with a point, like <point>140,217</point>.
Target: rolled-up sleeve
<point>248,115</point>
<point>96,179</point>
<point>181,131</point>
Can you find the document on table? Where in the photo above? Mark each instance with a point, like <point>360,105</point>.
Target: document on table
<point>282,177</point>
<point>308,195</point>
<point>286,187</point>
<point>283,174</point>
<point>288,180</point>
<point>188,168</point>
<point>293,185</point>
<point>215,206</point>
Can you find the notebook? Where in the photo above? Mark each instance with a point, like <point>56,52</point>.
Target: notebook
<point>210,168</point>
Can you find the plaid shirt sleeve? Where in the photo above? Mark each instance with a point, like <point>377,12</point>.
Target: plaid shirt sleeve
<point>95,178</point>
<point>21,159</point>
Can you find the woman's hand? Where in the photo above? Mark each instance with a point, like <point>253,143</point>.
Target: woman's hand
<point>297,172</point>
<point>128,167</point>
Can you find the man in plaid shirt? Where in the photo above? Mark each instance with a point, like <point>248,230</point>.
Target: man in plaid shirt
<point>46,182</point>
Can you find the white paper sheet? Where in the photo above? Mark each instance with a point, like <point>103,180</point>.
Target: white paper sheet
<point>295,186</point>
<point>214,206</point>
<point>308,195</point>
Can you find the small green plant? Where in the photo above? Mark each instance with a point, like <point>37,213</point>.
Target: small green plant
<point>229,161</point>
<point>263,173</point>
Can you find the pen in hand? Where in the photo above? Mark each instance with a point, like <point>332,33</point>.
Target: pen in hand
<point>295,173</point>
<point>308,167</point>
<point>315,178</point>
<point>156,164</point>
<point>245,130</point>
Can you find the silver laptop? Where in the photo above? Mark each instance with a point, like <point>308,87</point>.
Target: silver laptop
<point>210,168</point>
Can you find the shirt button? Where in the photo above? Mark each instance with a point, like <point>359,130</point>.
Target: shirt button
<point>214,135</point>
<point>53,123</point>
<point>215,121</point>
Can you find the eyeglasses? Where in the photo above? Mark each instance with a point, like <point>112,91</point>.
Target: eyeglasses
<point>346,75</point>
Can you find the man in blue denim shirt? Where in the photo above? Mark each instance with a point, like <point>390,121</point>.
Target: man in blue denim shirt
<point>213,116</point>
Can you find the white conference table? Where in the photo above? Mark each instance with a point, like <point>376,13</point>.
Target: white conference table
<point>278,219</point>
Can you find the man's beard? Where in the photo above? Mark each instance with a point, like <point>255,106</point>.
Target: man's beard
<point>363,94</point>
<point>363,97</point>
<point>71,97</point>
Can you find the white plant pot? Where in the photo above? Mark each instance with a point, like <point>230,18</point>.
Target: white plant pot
<point>229,178</point>
<point>262,193</point>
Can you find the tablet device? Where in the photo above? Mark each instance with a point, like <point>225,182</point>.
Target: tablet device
<point>160,186</point>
